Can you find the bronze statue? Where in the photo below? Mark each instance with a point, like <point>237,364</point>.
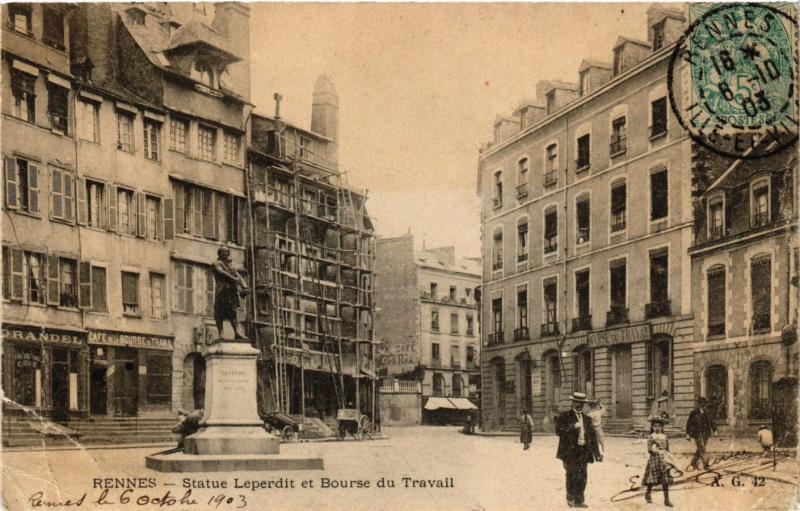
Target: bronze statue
<point>230,287</point>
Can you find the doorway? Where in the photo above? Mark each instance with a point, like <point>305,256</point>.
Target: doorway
<point>126,382</point>
<point>99,390</point>
<point>623,403</point>
<point>59,381</point>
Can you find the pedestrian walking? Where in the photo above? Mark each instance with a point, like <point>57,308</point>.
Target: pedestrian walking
<point>526,430</point>
<point>700,426</point>
<point>661,461</point>
<point>577,447</point>
<point>596,414</point>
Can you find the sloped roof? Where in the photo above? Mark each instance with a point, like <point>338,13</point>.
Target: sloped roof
<point>587,63</point>
<point>198,33</point>
<point>463,265</point>
<point>622,40</point>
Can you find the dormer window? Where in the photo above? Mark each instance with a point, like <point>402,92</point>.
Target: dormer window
<point>659,35</point>
<point>19,18</point>
<point>618,60</point>
<point>759,211</point>
<point>716,217</point>
<point>585,83</point>
<point>203,73</point>
<point>137,16</point>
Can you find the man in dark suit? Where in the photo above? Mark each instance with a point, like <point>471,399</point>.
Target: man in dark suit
<point>577,446</point>
<point>700,426</point>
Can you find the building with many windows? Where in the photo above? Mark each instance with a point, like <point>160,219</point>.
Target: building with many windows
<point>427,321</point>
<point>587,218</point>
<point>123,147</point>
<point>744,289</point>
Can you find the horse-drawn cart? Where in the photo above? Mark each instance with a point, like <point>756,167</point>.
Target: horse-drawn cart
<point>352,421</point>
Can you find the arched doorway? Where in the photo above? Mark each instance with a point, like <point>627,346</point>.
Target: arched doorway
<point>524,366</point>
<point>717,392</point>
<point>498,390</point>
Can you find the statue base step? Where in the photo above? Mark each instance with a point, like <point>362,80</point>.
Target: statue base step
<point>181,462</point>
<point>224,440</point>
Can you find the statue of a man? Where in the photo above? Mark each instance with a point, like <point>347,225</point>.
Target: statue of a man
<point>229,287</point>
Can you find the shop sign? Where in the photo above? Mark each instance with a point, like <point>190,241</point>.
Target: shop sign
<point>24,359</point>
<point>130,340</point>
<point>46,336</point>
<point>311,360</point>
<point>624,335</point>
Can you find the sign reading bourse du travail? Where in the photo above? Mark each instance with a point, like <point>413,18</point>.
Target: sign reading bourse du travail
<point>109,338</point>
<point>624,335</point>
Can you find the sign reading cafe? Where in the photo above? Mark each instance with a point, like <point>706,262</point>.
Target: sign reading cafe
<point>108,338</point>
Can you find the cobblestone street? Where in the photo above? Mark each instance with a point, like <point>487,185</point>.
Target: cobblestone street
<point>472,471</point>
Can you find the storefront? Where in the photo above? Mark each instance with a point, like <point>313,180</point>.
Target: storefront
<point>45,368</point>
<point>130,373</point>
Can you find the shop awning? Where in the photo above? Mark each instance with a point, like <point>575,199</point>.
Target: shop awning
<point>434,403</point>
<point>462,403</point>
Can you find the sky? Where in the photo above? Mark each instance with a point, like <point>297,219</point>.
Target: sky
<point>419,87</point>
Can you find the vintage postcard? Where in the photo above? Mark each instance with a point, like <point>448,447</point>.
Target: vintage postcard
<point>399,256</point>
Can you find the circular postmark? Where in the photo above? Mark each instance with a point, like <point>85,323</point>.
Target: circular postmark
<point>739,98</point>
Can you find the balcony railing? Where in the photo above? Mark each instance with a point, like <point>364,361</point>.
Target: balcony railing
<point>522,333</point>
<point>496,338</point>
<point>497,265</point>
<point>550,178</point>
<point>550,244</point>
<point>522,190</point>
<point>760,219</point>
<point>455,364</point>
<point>716,330</point>
<point>658,129</point>
<point>550,328</point>
<point>582,236</point>
<point>454,331</point>
<point>618,145</point>
<point>658,309</point>
<point>617,315</point>
<point>618,221</point>
<point>521,258</point>
<point>435,362</point>
<point>761,321</point>
<point>582,323</point>
<point>715,232</point>
<point>470,332</point>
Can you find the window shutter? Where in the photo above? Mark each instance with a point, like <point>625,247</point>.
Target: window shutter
<point>177,285</point>
<point>716,297</point>
<point>208,214</point>
<point>56,194</point>
<point>169,219</point>
<point>141,215</point>
<point>197,211</point>
<point>17,274</point>
<point>242,221</point>
<point>12,187</point>
<point>198,286</point>
<point>85,284</point>
<point>130,288</point>
<point>69,196</point>
<point>52,280</point>
<point>576,371</point>
<point>649,371</point>
<point>80,193</point>
<point>113,205</point>
<point>33,188</point>
<point>229,219</point>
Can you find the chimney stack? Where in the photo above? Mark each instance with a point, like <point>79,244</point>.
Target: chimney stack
<point>325,114</point>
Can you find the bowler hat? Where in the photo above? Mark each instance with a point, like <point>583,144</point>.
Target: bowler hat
<point>701,400</point>
<point>579,397</point>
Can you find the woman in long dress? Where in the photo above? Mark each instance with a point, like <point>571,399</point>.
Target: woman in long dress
<point>526,430</point>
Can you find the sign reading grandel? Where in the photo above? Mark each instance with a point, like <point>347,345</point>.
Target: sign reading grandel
<point>625,335</point>
<point>43,335</point>
<point>130,340</point>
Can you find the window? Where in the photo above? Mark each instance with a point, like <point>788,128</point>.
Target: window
<point>125,131</point>
<point>582,220</point>
<point>207,213</point>
<point>760,201</point>
<point>434,321</point>
<point>68,289</point>
<point>151,139</point>
<point>452,294</point>
<point>760,390</point>
<point>232,148</point>
<point>209,292</point>
<point>716,301</point>
<point>22,185</point>
<point>35,281</point>
<point>619,136</point>
<point>154,218</point>
<point>23,88</point>
<point>619,59</point>
<point>716,218</point>
<point>659,197</point>
<point>454,324</point>
<point>497,315</point>
<point>434,290</point>
<point>53,29</point>
<point>584,152</point>
<point>206,143</point>
<point>435,355</point>
<point>582,295</point>
<point>550,313</point>
<point>619,199</point>
<point>618,270</point>
<point>550,231</point>
<point>470,327</point>
<point>19,17</point>
<point>497,199</point>
<point>157,296</point>
<point>522,170</point>
<point>583,372</point>
<point>761,292</point>
<point>130,294</point>
<point>159,378</point>
<point>658,367</point>
<point>658,113</point>
<point>522,313</point>
<point>184,287</point>
<point>497,251</point>
<point>62,195</point>
<point>438,384</point>
<point>57,108</point>
<point>584,85</point>
<point>126,208</point>
<point>305,148</point>
<point>470,354</point>
<point>658,35</point>
<point>88,121</point>
<point>92,287</point>
<point>178,129</point>
<point>203,73</point>
<point>717,393</point>
<point>95,204</point>
<point>551,164</point>
<point>522,240</point>
<point>659,284</point>
<point>457,385</point>
<point>193,292</point>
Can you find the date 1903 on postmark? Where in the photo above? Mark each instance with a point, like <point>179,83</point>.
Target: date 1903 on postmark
<point>742,90</point>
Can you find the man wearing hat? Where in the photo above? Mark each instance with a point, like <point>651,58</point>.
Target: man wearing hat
<point>699,426</point>
<point>577,447</point>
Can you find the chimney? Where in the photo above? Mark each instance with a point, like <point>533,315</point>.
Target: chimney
<point>325,114</point>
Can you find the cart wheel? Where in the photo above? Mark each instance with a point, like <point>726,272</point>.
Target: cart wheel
<point>363,427</point>
<point>286,433</point>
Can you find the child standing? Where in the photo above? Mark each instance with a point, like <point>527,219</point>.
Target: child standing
<point>526,430</point>
<point>660,462</point>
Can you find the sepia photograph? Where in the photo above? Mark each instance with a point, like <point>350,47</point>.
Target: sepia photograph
<point>394,256</point>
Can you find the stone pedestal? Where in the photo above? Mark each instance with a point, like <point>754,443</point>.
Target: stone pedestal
<point>230,423</point>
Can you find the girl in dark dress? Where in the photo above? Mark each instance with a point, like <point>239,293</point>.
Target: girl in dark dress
<point>526,430</point>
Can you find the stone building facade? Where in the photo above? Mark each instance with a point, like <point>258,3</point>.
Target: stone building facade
<point>587,218</point>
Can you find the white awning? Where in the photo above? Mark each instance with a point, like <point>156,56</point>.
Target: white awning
<point>434,403</point>
<point>462,403</point>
